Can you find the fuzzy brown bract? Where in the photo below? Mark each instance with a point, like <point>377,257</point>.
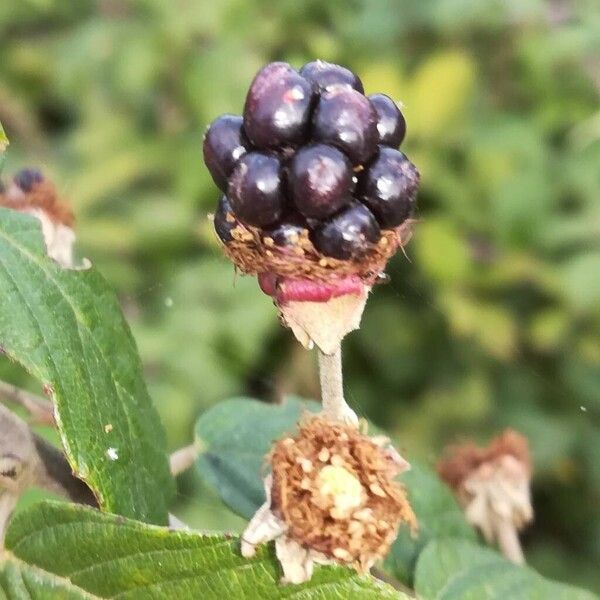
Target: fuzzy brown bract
<point>335,490</point>
<point>253,253</point>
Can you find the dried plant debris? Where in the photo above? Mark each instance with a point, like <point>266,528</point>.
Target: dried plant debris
<point>253,253</point>
<point>492,485</point>
<point>30,192</point>
<point>332,498</point>
<point>26,461</point>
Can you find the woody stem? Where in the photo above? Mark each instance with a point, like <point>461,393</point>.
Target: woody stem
<point>40,409</point>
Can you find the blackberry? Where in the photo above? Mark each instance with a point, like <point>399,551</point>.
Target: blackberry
<point>311,153</point>
<point>320,180</point>
<point>287,233</point>
<point>391,125</point>
<point>346,119</point>
<point>224,220</point>
<point>389,186</point>
<point>27,178</point>
<point>224,144</point>
<point>255,189</point>
<point>277,108</point>
<point>323,75</point>
<point>347,235</point>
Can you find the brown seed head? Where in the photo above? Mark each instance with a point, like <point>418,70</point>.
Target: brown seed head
<point>335,490</point>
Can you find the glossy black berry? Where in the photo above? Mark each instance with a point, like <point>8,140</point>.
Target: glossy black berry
<point>27,178</point>
<point>346,119</point>
<point>224,144</point>
<point>287,233</point>
<point>255,189</point>
<point>391,125</point>
<point>320,180</point>
<point>323,75</point>
<point>389,187</point>
<point>349,234</point>
<point>277,109</point>
<point>224,220</point>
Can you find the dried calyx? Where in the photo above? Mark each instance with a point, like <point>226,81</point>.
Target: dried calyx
<point>492,485</point>
<point>332,498</point>
<point>30,192</point>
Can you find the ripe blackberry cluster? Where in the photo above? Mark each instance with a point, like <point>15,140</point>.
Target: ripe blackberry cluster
<point>311,173</point>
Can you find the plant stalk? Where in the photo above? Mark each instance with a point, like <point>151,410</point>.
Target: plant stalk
<point>40,409</point>
<point>332,388</point>
<point>508,541</point>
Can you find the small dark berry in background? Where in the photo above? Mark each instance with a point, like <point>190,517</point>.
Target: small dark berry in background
<point>320,180</point>
<point>224,144</point>
<point>391,125</point>
<point>277,107</point>
<point>346,119</point>
<point>323,75</point>
<point>224,220</point>
<point>255,189</point>
<point>389,187</point>
<point>27,178</point>
<point>285,234</point>
<point>349,234</point>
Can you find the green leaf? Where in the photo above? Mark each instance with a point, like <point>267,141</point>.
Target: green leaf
<point>457,569</point>
<point>19,580</point>
<point>3,145</point>
<point>235,436</point>
<point>3,139</point>
<point>66,328</point>
<point>438,516</point>
<point>75,548</point>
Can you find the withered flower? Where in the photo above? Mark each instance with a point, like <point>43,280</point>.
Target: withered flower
<point>492,485</point>
<point>39,198</point>
<point>332,497</point>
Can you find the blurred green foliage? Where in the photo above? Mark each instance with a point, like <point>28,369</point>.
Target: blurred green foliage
<point>493,321</point>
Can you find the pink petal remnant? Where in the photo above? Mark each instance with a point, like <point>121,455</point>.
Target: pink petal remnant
<point>288,289</point>
<point>305,290</point>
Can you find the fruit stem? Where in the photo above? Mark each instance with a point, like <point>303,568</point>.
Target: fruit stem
<point>332,387</point>
<point>508,541</point>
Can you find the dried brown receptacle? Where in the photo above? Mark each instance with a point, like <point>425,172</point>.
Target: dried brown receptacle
<point>335,490</point>
<point>253,253</point>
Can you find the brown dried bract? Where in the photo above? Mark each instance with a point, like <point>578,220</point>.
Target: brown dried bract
<point>252,253</point>
<point>334,489</point>
<point>464,459</point>
<point>43,196</point>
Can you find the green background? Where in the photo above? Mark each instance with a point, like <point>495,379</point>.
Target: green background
<point>492,322</point>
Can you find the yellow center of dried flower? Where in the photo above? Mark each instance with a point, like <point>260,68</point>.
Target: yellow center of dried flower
<point>340,487</point>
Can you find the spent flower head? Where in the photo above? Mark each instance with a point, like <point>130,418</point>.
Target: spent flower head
<point>332,497</point>
<point>30,192</point>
